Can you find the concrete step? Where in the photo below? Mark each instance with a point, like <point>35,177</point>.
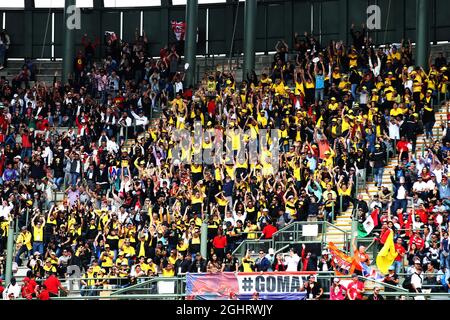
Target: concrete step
<point>343,226</point>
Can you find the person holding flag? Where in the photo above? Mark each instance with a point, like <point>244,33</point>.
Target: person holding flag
<point>387,254</point>
<point>360,257</point>
<point>365,228</point>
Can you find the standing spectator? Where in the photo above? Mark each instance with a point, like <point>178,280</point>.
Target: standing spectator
<point>23,244</point>
<point>337,291</point>
<point>262,263</point>
<point>219,244</point>
<point>292,261</point>
<point>313,289</point>
<point>445,250</point>
<point>417,282</point>
<point>355,289</point>
<point>12,290</point>
<point>268,231</point>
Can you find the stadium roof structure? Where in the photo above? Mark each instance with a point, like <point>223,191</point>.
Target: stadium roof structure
<point>59,4</point>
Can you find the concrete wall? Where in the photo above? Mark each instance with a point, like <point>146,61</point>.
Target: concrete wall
<point>330,19</point>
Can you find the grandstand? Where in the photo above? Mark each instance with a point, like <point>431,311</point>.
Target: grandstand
<point>179,150</point>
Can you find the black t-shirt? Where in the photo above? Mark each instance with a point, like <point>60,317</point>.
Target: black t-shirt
<point>312,290</point>
<point>230,264</point>
<point>113,242</point>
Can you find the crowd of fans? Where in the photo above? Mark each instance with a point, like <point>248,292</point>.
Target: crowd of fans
<point>133,210</point>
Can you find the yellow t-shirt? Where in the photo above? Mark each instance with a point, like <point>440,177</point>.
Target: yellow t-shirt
<point>168,273</point>
<point>38,233</point>
<point>247,264</point>
<point>25,239</point>
<point>107,259</point>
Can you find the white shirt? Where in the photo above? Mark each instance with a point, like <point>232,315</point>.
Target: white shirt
<point>127,120</point>
<point>241,217</point>
<point>420,186</point>
<point>122,216</point>
<point>112,146</point>
<point>438,173</point>
<point>13,101</point>
<point>292,262</point>
<point>12,289</point>
<point>416,280</point>
<point>375,203</point>
<point>47,154</point>
<point>401,193</point>
<point>430,184</point>
<point>140,121</point>
<point>178,86</point>
<point>5,211</point>
<point>394,131</point>
<point>229,219</point>
<point>363,98</point>
<point>376,70</point>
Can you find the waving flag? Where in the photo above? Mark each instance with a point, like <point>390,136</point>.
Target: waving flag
<point>387,254</point>
<point>179,29</point>
<point>365,228</point>
<point>370,272</point>
<point>342,263</point>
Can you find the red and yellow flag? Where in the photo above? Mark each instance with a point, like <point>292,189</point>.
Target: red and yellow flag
<point>387,254</point>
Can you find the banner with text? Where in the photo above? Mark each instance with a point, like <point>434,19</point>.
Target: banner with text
<point>269,285</point>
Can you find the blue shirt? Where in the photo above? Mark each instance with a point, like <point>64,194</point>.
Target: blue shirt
<point>320,82</point>
<point>228,188</point>
<point>444,191</point>
<point>312,163</point>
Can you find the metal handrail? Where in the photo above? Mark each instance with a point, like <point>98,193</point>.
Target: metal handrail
<point>288,228</point>
<point>180,290</point>
<point>384,284</point>
<point>148,282</point>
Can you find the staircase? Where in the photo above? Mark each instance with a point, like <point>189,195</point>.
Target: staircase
<point>45,70</point>
<point>236,63</point>
<point>344,221</point>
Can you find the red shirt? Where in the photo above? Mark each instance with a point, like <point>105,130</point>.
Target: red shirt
<point>402,146</point>
<point>26,143</point>
<point>44,295</point>
<point>268,231</point>
<point>418,241</point>
<point>422,214</point>
<point>42,125</point>
<point>400,250</point>
<point>52,283</point>
<point>352,287</point>
<point>211,107</point>
<point>220,242</point>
